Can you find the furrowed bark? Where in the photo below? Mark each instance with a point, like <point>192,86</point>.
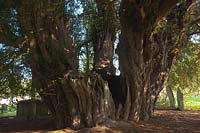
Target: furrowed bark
<point>73,100</point>
<point>145,75</point>
<point>104,37</point>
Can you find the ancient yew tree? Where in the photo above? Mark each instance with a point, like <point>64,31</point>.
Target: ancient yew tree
<point>147,49</point>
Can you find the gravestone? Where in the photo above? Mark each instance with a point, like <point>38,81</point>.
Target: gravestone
<point>31,109</point>
<point>4,108</point>
<point>171,97</point>
<point>180,100</point>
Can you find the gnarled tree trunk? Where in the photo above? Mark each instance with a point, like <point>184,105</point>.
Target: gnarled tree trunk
<point>73,100</point>
<point>145,57</point>
<point>103,37</point>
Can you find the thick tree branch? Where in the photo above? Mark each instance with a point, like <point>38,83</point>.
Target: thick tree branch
<point>7,41</point>
<point>193,33</point>
<point>7,38</point>
<point>165,6</point>
<point>197,20</point>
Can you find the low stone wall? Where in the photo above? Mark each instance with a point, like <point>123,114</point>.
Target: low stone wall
<point>31,109</point>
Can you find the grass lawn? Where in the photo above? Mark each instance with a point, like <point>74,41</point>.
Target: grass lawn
<point>8,114</point>
<point>192,103</point>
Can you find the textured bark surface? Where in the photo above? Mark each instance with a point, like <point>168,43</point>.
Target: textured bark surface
<point>145,60</point>
<point>73,100</point>
<point>145,56</point>
<point>103,37</point>
<point>51,55</point>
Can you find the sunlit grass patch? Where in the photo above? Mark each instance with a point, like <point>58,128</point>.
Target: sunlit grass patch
<point>13,113</point>
<point>192,103</point>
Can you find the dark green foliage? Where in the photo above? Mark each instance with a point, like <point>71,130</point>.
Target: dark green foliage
<point>185,73</point>
<point>15,73</point>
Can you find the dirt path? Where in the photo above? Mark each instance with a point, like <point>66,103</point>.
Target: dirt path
<point>163,121</point>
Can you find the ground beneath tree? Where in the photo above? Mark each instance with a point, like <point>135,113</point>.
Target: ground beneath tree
<point>165,121</point>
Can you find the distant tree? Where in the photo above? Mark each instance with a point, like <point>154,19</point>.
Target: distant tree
<point>185,72</point>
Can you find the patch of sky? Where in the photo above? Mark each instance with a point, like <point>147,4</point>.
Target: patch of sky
<point>195,38</point>
<point>116,57</point>
<point>1,45</point>
<point>76,6</point>
<point>13,23</point>
<point>24,70</point>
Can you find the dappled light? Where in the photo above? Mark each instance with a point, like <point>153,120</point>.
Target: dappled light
<point>162,121</point>
<point>99,66</point>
